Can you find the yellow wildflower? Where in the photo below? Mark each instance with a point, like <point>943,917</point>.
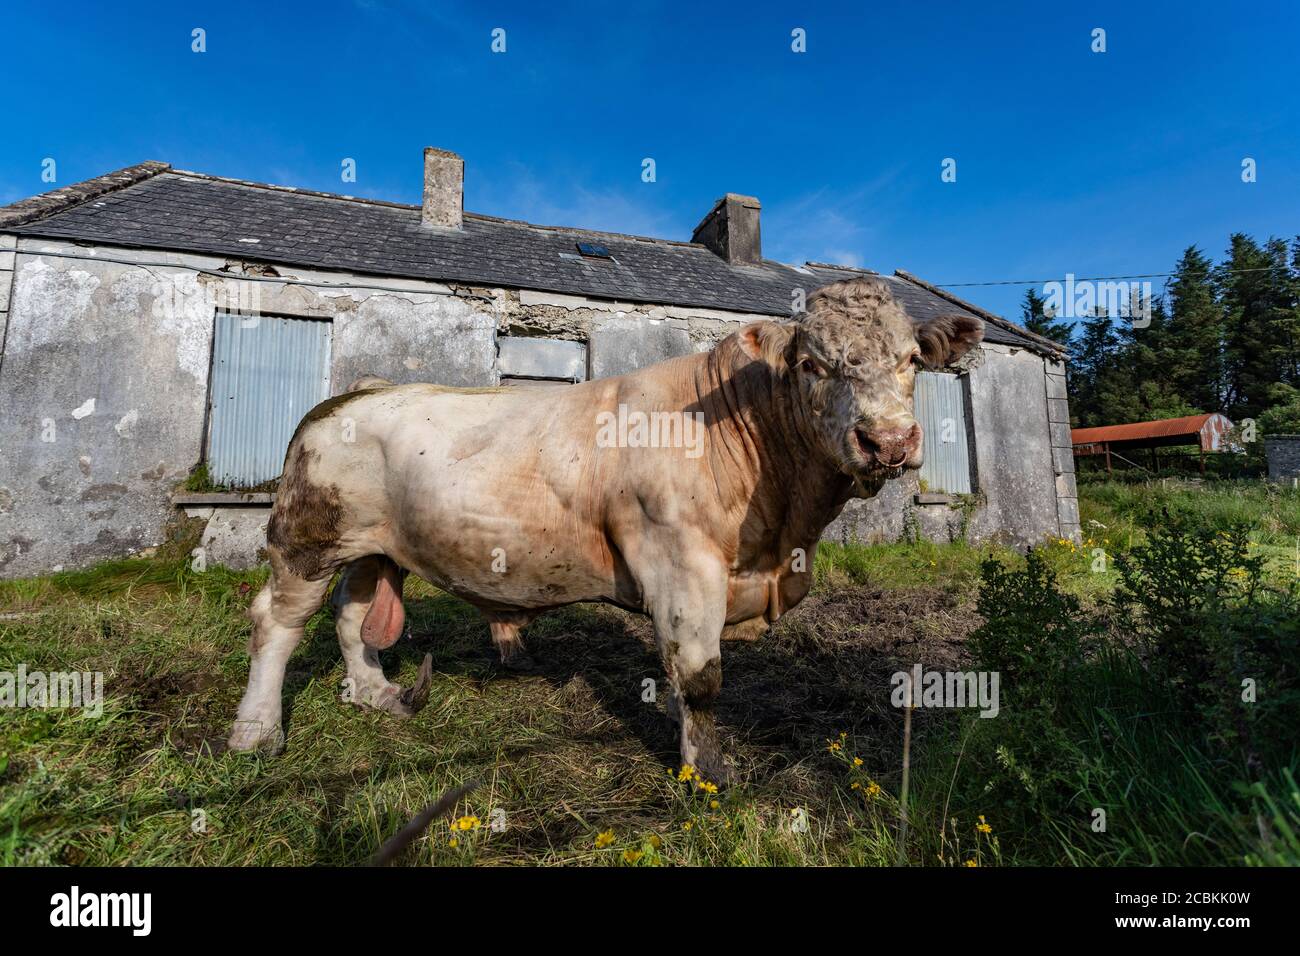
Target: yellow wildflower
<point>713,804</point>
<point>687,825</point>
<point>631,856</point>
<point>972,863</point>
<point>857,761</point>
<point>686,773</point>
<point>873,788</point>
<point>982,826</point>
<point>708,787</point>
<point>453,843</point>
<point>655,841</point>
<point>604,839</point>
<point>465,823</point>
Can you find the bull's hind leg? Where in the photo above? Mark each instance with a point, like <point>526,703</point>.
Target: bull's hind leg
<point>505,628</point>
<point>353,600</point>
<point>279,613</point>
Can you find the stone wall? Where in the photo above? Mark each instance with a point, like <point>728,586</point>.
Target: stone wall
<point>1283,453</point>
<point>104,380</point>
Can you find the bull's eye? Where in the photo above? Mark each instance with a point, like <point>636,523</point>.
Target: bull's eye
<point>916,361</point>
<point>809,366</point>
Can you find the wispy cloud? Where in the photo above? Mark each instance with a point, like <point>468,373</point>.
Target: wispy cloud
<point>826,226</point>
<point>572,204</point>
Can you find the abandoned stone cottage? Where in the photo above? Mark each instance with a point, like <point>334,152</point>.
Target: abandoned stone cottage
<point>153,320</point>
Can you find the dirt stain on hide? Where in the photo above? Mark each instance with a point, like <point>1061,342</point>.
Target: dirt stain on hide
<point>701,689</point>
<point>305,522</point>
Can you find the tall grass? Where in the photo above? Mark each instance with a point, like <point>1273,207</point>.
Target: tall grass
<point>584,769</point>
<point>1132,733</point>
<point>1271,511</point>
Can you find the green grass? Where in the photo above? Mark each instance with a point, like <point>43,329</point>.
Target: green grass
<point>1271,511</point>
<point>572,751</point>
<point>1118,513</point>
<point>565,755</point>
<point>1166,799</point>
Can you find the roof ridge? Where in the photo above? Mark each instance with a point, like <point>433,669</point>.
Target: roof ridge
<point>839,268</point>
<point>64,198</point>
<point>295,190</point>
<point>365,200</point>
<point>985,314</point>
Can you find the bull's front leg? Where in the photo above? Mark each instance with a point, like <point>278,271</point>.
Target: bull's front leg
<point>689,608</point>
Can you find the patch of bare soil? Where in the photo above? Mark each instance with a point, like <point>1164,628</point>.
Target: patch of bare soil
<point>823,669</point>
<point>926,624</point>
<point>826,669</point>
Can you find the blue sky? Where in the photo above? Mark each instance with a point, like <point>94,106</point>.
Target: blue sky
<point>1067,160</point>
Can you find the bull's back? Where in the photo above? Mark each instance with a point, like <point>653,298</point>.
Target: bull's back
<point>504,496</point>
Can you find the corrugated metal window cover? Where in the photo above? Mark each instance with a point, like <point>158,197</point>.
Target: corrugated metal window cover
<point>940,407</point>
<point>267,372</point>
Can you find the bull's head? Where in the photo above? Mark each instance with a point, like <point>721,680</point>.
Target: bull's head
<point>851,364</point>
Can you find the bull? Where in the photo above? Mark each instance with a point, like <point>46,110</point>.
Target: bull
<point>517,501</point>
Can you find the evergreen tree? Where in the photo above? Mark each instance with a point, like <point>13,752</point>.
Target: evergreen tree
<point>1034,317</point>
<point>1193,351</point>
<point>1222,338</point>
<point>1094,367</point>
<point>1261,323</point>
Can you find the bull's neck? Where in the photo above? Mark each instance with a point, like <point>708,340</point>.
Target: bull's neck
<point>766,471</point>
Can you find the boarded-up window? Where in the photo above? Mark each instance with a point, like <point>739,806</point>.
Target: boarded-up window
<point>267,373</point>
<point>940,404</point>
<point>524,361</point>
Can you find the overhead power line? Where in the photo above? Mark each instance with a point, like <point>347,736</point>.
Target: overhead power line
<point>1146,275</point>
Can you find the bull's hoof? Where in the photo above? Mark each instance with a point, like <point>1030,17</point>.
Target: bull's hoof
<point>750,630</point>
<point>716,770</point>
<point>409,702</point>
<point>521,662</point>
<point>250,735</point>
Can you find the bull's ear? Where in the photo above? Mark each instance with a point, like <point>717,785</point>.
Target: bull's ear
<point>946,339</point>
<point>770,342</point>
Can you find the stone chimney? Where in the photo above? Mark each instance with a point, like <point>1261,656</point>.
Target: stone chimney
<point>444,189</point>
<point>730,230</point>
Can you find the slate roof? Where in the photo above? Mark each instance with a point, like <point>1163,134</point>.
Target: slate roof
<point>152,206</point>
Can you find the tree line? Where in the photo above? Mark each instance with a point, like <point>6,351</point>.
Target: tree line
<point>1221,338</point>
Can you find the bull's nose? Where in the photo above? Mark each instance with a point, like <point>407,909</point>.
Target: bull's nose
<point>891,446</point>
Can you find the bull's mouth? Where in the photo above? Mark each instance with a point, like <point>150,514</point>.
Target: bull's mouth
<point>867,461</point>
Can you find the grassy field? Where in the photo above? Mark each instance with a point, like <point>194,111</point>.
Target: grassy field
<point>574,766</point>
<point>1118,511</point>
